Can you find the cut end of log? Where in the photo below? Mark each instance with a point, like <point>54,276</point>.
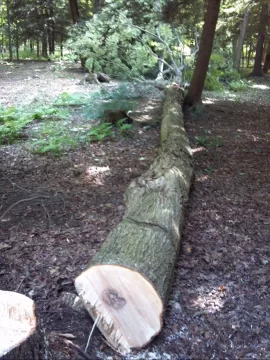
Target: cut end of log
<point>17,320</point>
<point>127,307</point>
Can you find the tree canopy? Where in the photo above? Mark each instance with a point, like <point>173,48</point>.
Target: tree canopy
<point>131,39</point>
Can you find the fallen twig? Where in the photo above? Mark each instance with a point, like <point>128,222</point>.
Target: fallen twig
<point>67,336</point>
<point>18,287</point>
<point>21,201</point>
<point>47,214</point>
<point>78,349</point>
<point>91,332</point>
<point>15,185</point>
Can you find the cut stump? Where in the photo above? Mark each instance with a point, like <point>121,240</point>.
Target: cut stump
<point>19,337</point>
<point>126,285</point>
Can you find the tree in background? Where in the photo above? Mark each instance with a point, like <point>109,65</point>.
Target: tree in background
<point>9,30</point>
<point>266,64</point>
<point>74,9</point>
<point>241,38</point>
<point>136,38</point>
<point>257,70</point>
<point>206,44</point>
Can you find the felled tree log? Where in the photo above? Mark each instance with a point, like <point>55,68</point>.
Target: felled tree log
<point>19,337</point>
<point>126,285</point>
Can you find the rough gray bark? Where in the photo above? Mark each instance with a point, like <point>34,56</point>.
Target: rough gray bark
<point>9,31</point>
<point>257,69</point>
<point>195,89</point>
<point>240,40</point>
<point>266,64</point>
<point>147,239</point>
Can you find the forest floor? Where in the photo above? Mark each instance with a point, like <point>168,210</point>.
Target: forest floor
<point>55,213</point>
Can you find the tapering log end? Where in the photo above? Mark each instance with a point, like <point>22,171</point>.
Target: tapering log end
<point>127,308</point>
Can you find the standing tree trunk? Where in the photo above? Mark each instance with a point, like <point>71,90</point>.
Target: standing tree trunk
<point>265,50</point>
<point>97,5</point>
<point>74,9</point>
<point>44,46</point>
<point>266,65</point>
<point>61,46</point>
<point>9,31</point>
<point>2,29</point>
<point>51,29</point>
<point>243,58</point>
<point>196,87</point>
<point>257,70</point>
<point>17,42</point>
<point>38,48</point>
<point>240,41</point>
<point>17,49</point>
<point>249,54</point>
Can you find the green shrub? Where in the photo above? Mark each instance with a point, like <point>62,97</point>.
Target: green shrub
<point>56,137</point>
<point>238,85</point>
<point>212,82</point>
<point>49,113</point>
<point>220,72</point>
<point>123,127</point>
<point>208,142</point>
<point>100,132</point>
<point>201,141</point>
<point>187,74</point>
<point>12,123</point>
<point>229,75</point>
<point>214,73</point>
<point>53,138</point>
<point>28,54</point>
<point>66,99</point>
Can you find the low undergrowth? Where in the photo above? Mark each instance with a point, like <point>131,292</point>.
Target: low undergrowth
<point>13,121</point>
<point>71,121</point>
<point>207,141</point>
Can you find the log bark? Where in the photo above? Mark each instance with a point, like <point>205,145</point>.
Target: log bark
<point>20,337</point>
<point>126,285</point>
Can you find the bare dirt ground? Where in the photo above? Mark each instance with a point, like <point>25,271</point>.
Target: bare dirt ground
<point>219,306</point>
